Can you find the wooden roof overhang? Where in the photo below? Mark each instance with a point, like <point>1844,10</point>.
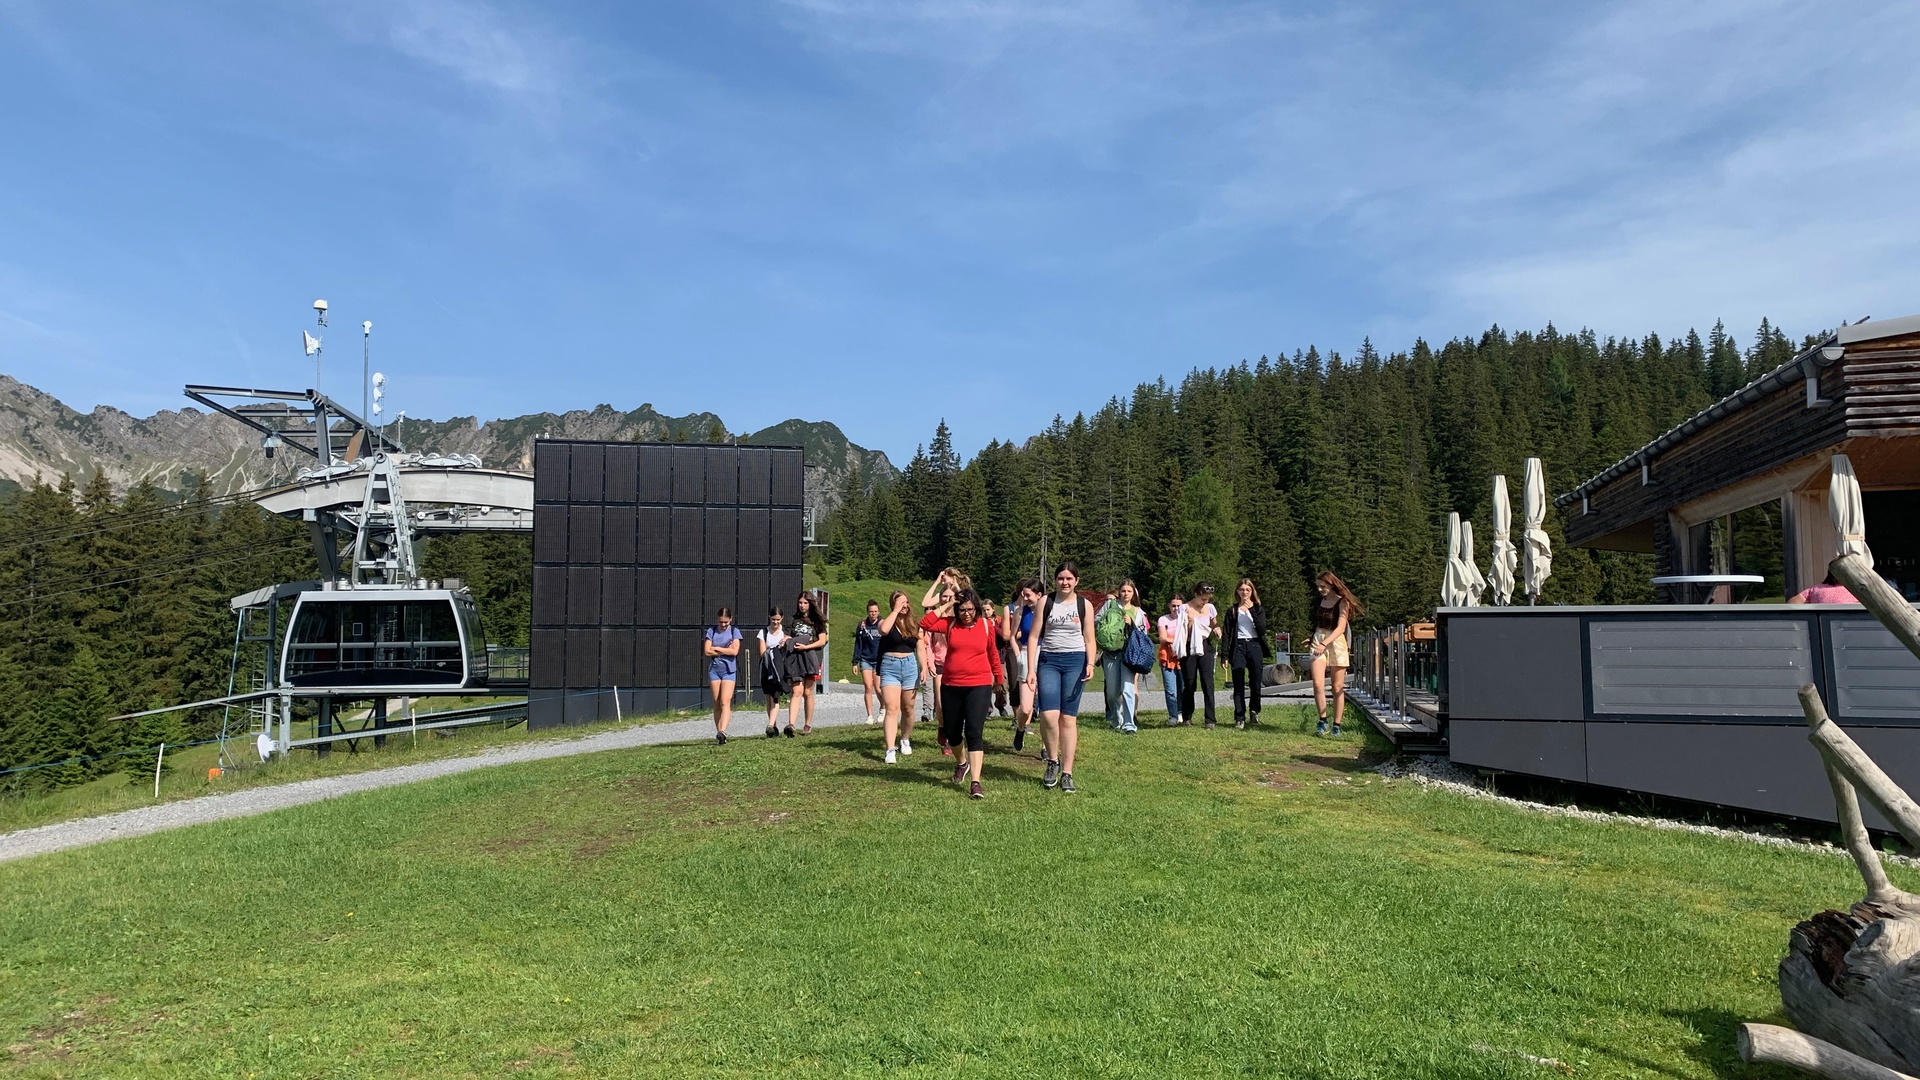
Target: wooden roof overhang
<point>1857,390</point>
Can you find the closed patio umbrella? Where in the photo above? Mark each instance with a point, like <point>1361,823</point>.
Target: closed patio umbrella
<point>1500,574</point>
<point>1848,510</point>
<point>1454,579</point>
<point>1535,549</point>
<point>1476,581</point>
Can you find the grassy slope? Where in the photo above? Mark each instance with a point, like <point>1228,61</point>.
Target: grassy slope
<point>1211,904</point>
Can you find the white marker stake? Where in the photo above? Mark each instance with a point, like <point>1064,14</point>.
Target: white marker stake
<point>617,715</point>
<point>157,759</point>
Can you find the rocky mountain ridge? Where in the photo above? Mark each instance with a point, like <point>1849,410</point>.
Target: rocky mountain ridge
<point>40,436</point>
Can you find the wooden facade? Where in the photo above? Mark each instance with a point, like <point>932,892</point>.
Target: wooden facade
<point>1857,391</point>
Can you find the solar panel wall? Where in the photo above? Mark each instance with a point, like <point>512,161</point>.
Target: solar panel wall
<point>635,546</point>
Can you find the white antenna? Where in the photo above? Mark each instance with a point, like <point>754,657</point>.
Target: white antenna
<point>313,343</point>
<point>379,391</point>
<point>366,346</point>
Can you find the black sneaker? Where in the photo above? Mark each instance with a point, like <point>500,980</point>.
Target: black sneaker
<point>976,793</point>
<point>1336,730</point>
<point>772,732</point>
<point>1066,783</point>
<point>719,738</point>
<point>1209,725</point>
<point>1239,725</point>
<point>1019,738</point>
<point>789,731</point>
<point>1052,776</point>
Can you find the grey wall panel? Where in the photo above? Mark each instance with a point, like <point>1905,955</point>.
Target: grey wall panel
<point>750,588</point>
<point>756,532</point>
<point>617,536</point>
<point>789,543</point>
<point>686,699</point>
<point>583,534</point>
<point>583,657</point>
<point>1699,667</point>
<point>653,478</point>
<point>756,470</point>
<point>1520,667</point>
<point>718,590</point>
<point>648,702</point>
<point>651,590</point>
<point>616,657</point>
<point>587,481</point>
<point>652,535</point>
<point>583,596</point>
<point>788,485</point>
<point>1875,678</point>
<point>723,536</point>
<point>616,596</point>
<point>547,659</point>
<point>684,596</point>
<point>551,462</point>
<point>685,665</point>
<point>650,657</point>
<point>546,710</point>
<point>623,462</point>
<point>581,706</point>
<point>1536,748</point>
<point>549,598</point>
<point>550,533</point>
<point>689,539</point>
<point>723,475</point>
<point>784,586</point>
<point>689,475</point>
<point>1764,767</point>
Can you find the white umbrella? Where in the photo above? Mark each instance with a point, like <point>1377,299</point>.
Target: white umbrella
<point>1535,547</point>
<point>1476,582</point>
<point>1500,574</point>
<point>1848,511</point>
<point>1454,579</point>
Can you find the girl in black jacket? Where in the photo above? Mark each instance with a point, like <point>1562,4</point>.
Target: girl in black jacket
<point>1244,627</point>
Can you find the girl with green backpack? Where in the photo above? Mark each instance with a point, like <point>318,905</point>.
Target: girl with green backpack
<point>1120,612</point>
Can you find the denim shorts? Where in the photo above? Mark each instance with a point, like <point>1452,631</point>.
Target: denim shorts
<point>864,665</point>
<point>720,667</point>
<point>1059,681</point>
<point>901,671</point>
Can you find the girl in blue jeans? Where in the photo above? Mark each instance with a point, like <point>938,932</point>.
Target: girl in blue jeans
<point>1061,656</point>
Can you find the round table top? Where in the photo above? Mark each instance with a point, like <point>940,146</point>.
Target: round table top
<point>1709,579</point>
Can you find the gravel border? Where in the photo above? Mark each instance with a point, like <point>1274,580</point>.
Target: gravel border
<point>835,711</point>
<point>1450,777</point>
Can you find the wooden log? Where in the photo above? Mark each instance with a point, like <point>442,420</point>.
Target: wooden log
<point>1766,1043</point>
<point>1853,833</point>
<point>1845,755</point>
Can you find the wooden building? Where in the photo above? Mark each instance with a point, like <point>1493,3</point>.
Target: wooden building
<point>1769,444</point>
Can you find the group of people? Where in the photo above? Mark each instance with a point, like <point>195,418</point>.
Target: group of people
<point>1031,660</point>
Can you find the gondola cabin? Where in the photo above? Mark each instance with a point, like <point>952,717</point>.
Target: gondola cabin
<point>422,640</point>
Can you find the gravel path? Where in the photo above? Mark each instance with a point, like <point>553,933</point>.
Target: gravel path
<point>833,710</point>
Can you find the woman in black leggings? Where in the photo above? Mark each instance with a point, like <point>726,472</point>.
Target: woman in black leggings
<point>1244,629</point>
<point>1199,625</point>
<point>966,687</point>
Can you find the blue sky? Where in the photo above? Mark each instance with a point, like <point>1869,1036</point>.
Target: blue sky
<point>879,214</point>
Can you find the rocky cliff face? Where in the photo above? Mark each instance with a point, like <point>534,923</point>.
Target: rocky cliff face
<point>40,436</point>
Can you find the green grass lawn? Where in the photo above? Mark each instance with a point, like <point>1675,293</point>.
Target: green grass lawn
<point>186,773</point>
<point>1211,904</point>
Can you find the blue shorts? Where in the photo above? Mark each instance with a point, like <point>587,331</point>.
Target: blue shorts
<point>901,671</point>
<point>720,667</point>
<point>1061,677</point>
<point>864,665</point>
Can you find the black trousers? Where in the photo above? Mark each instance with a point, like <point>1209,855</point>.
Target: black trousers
<point>1196,672</point>
<point>1248,665</point>
<point>963,714</point>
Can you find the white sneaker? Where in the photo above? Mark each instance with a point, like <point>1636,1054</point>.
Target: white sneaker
<point>906,747</point>
<point>890,758</point>
<point>872,719</point>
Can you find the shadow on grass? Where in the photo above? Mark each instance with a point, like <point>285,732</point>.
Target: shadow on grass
<point>1716,1048</point>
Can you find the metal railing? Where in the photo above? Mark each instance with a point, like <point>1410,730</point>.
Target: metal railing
<point>507,663</point>
<point>1389,665</point>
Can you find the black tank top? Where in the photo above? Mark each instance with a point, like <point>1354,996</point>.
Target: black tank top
<point>1327,617</point>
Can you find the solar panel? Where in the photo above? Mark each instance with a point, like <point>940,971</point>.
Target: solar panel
<point>653,480</point>
<point>550,464</point>
<point>623,462</point>
<point>588,472</point>
<point>653,535</point>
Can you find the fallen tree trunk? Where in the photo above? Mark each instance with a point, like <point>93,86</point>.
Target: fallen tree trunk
<point>1765,1043</point>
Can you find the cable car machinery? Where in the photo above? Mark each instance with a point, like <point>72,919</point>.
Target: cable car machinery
<point>372,627</point>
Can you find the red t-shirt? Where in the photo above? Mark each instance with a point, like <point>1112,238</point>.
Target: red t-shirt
<point>973,652</point>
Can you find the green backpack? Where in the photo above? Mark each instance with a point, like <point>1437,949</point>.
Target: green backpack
<point>1110,629</point>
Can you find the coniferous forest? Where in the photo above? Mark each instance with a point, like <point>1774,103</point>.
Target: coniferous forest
<point>113,602</point>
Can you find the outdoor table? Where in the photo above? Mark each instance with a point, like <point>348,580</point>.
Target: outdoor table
<point>1719,586</point>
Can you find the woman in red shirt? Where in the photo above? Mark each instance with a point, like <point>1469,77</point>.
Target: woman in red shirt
<point>967,679</point>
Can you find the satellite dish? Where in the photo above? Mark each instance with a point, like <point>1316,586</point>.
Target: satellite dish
<point>379,379</point>
<point>264,744</point>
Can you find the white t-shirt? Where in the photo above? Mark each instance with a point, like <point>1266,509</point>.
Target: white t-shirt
<point>1191,637</point>
<point>1245,625</point>
<point>1063,632</point>
<point>772,639</point>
